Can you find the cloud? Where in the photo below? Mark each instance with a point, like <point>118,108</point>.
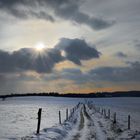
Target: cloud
<point>129,73</point>
<point>76,50</point>
<point>117,74</point>
<point>2,79</point>
<point>5,62</point>
<point>24,9</point>
<point>95,78</point>
<point>138,46</point>
<point>136,43</point>
<point>70,10</point>
<point>114,75</point>
<point>43,62</point>
<point>121,55</point>
<point>29,59</point>
<point>43,9</point>
<point>71,74</point>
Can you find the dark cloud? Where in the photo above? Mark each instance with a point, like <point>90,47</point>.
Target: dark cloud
<point>65,9</point>
<point>137,44</point>
<point>2,79</point>
<point>68,73</point>
<point>121,55</point>
<point>26,77</point>
<point>72,74</point>
<point>43,62</point>
<point>69,10</point>
<point>29,59</point>
<point>101,74</point>
<point>76,75</point>
<point>104,74</point>
<point>76,50</point>
<point>5,62</point>
<point>25,9</point>
<point>117,74</point>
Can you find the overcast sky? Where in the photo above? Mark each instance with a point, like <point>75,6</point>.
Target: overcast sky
<point>69,45</point>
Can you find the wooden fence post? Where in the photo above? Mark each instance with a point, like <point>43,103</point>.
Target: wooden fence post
<point>66,114</point>
<point>128,121</point>
<point>70,113</point>
<point>59,117</point>
<point>102,112</point>
<point>105,113</point>
<point>109,113</point>
<point>114,121</point>
<point>39,120</point>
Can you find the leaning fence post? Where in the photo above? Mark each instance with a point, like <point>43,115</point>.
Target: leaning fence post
<point>59,117</point>
<point>39,120</point>
<point>128,121</point>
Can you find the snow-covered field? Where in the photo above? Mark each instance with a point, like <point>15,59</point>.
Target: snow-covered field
<point>18,118</point>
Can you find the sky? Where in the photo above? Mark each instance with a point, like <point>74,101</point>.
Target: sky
<point>69,46</point>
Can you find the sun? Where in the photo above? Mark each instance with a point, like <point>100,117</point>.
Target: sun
<point>40,46</point>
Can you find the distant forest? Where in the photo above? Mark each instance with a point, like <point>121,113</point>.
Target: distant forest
<point>79,95</point>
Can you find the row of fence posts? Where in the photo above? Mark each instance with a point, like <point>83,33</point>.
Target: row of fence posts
<point>68,115</point>
<point>108,115</point>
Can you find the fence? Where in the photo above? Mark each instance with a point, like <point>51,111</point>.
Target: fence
<point>69,114</point>
<point>107,114</point>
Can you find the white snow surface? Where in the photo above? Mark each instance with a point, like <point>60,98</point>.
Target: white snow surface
<point>18,119</point>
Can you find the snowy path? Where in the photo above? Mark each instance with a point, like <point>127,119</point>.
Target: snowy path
<point>93,126</point>
<point>88,128</point>
<point>81,126</point>
<point>99,134</point>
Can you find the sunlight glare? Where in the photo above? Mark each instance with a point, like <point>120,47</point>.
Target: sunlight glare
<point>40,46</point>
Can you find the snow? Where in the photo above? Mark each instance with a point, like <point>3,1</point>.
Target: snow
<point>123,107</point>
<point>106,129</point>
<point>18,115</point>
<point>18,119</point>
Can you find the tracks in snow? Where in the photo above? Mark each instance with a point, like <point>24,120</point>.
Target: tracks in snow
<point>81,126</point>
<point>88,129</point>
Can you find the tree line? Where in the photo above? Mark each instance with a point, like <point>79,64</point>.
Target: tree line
<point>78,95</point>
